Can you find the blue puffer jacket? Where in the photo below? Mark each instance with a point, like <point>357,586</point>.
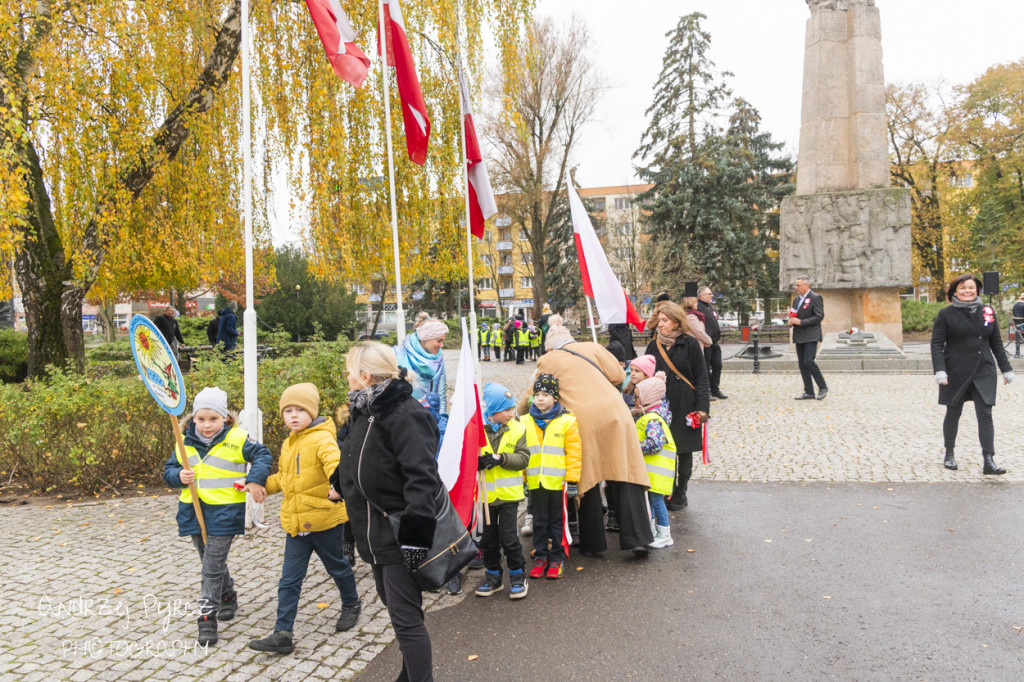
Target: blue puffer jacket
<point>221,519</point>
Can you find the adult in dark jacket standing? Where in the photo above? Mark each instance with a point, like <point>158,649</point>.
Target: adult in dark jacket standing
<point>168,326</point>
<point>227,328</point>
<point>805,316</point>
<point>966,346</point>
<point>713,353</point>
<point>387,462</point>
<point>1018,323</point>
<point>674,345</point>
<point>211,329</point>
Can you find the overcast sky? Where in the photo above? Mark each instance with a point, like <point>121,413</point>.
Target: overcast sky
<point>761,43</point>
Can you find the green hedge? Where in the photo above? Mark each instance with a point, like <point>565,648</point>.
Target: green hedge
<point>13,356</point>
<point>919,316</point>
<point>82,434</point>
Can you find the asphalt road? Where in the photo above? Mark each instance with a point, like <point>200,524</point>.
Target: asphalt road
<point>786,581</point>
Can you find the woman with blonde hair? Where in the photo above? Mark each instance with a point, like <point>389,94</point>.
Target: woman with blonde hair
<point>680,356</point>
<point>387,463</point>
<point>695,319</point>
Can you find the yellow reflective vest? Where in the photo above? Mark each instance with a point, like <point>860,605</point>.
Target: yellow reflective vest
<point>535,340</point>
<point>522,337</point>
<point>504,484</point>
<point>661,466</point>
<point>549,467</point>
<point>217,472</point>
<point>496,336</point>
<point>484,337</point>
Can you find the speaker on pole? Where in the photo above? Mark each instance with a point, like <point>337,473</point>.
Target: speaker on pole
<point>690,290</point>
<point>990,283</point>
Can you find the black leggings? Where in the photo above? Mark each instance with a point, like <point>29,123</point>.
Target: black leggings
<point>986,429</point>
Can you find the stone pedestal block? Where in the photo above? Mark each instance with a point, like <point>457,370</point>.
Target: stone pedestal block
<point>875,310</point>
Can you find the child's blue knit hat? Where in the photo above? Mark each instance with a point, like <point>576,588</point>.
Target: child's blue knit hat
<point>497,398</point>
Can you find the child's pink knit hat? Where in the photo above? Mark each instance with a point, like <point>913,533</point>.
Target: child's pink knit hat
<point>651,391</point>
<point>645,363</point>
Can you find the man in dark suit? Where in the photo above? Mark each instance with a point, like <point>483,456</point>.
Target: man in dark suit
<point>805,316</point>
<point>713,353</point>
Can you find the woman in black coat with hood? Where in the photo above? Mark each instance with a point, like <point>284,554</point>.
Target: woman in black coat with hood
<point>387,462</point>
<point>692,394</point>
<point>966,346</point>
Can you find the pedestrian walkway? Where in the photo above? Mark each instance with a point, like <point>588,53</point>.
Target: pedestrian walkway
<point>103,591</point>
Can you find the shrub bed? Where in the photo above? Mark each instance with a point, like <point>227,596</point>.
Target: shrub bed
<point>70,433</point>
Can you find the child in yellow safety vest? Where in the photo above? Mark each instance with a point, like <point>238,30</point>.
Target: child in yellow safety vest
<point>659,450</point>
<point>552,475</point>
<point>217,451</point>
<point>313,522</point>
<point>502,460</point>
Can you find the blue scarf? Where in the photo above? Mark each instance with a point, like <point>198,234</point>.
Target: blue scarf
<point>542,418</point>
<point>426,365</point>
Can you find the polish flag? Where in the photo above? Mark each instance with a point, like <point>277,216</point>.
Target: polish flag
<point>481,197</point>
<point>460,449</point>
<point>338,37</point>
<point>599,281</point>
<point>399,55</point>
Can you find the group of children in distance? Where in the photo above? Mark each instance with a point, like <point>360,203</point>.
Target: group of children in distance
<point>543,447</point>
<point>521,341</point>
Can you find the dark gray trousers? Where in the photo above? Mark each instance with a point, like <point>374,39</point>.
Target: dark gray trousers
<point>217,581</point>
<point>402,596</point>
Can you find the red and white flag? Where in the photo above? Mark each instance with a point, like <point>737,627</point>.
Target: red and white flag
<point>399,55</point>
<point>338,37</point>
<point>460,449</point>
<point>599,281</point>
<point>481,197</point>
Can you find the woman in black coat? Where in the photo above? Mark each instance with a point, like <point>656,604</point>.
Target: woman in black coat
<point>387,462</point>
<point>685,352</point>
<point>966,346</point>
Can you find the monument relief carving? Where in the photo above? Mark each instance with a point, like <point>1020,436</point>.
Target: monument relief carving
<point>847,240</point>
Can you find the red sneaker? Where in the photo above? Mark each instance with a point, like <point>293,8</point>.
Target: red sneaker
<point>556,570</point>
<point>538,569</point>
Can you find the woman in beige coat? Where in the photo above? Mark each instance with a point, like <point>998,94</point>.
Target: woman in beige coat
<point>589,378</point>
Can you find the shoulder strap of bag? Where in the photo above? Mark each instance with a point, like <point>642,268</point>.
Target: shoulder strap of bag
<point>679,374</point>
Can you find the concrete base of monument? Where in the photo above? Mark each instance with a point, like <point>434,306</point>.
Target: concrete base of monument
<point>875,309</point>
<point>858,344</point>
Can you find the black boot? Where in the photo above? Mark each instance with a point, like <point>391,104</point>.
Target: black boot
<point>990,465</point>
<point>349,616</point>
<point>278,643</point>
<point>949,462</point>
<point>678,499</point>
<point>207,631</point>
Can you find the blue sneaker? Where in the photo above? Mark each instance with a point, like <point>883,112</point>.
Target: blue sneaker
<point>520,584</point>
<point>455,584</point>
<point>491,584</point>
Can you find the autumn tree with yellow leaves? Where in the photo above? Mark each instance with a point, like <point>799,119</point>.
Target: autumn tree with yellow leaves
<point>120,162</point>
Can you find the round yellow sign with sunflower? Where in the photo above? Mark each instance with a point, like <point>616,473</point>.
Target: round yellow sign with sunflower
<point>157,366</point>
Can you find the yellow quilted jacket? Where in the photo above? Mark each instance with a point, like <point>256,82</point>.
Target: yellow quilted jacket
<point>308,458</point>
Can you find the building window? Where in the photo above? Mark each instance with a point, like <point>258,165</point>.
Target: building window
<point>598,203</point>
<point>506,259</point>
<point>623,253</point>
<point>358,289</point>
<point>966,180</point>
<point>621,203</point>
<point>506,282</point>
<point>626,229</point>
<point>486,259</point>
<point>506,235</point>
<point>527,259</point>
<point>526,282</point>
<point>524,235</point>
<point>485,283</point>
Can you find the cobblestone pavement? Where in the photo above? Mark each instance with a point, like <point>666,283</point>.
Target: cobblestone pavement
<point>104,590</point>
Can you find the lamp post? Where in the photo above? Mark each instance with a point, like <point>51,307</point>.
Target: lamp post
<point>298,323</point>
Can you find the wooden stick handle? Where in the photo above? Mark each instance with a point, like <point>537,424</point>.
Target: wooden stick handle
<point>183,456</point>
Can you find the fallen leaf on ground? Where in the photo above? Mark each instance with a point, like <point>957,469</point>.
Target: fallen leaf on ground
<point>826,596</point>
<point>768,540</point>
<point>322,605</point>
<point>691,550</point>
<point>117,590</point>
<point>472,657</point>
<point>952,530</point>
<point>579,568</point>
<point>63,544</point>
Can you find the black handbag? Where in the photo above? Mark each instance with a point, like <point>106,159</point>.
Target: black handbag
<point>452,547</point>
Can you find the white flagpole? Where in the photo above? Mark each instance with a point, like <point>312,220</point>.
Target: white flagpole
<point>400,327</point>
<point>469,235</point>
<point>590,314</point>
<point>250,418</point>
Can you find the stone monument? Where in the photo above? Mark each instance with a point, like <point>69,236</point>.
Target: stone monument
<point>845,228</point>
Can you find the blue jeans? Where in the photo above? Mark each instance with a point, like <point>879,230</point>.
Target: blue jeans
<point>297,549</point>
<point>658,508</point>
